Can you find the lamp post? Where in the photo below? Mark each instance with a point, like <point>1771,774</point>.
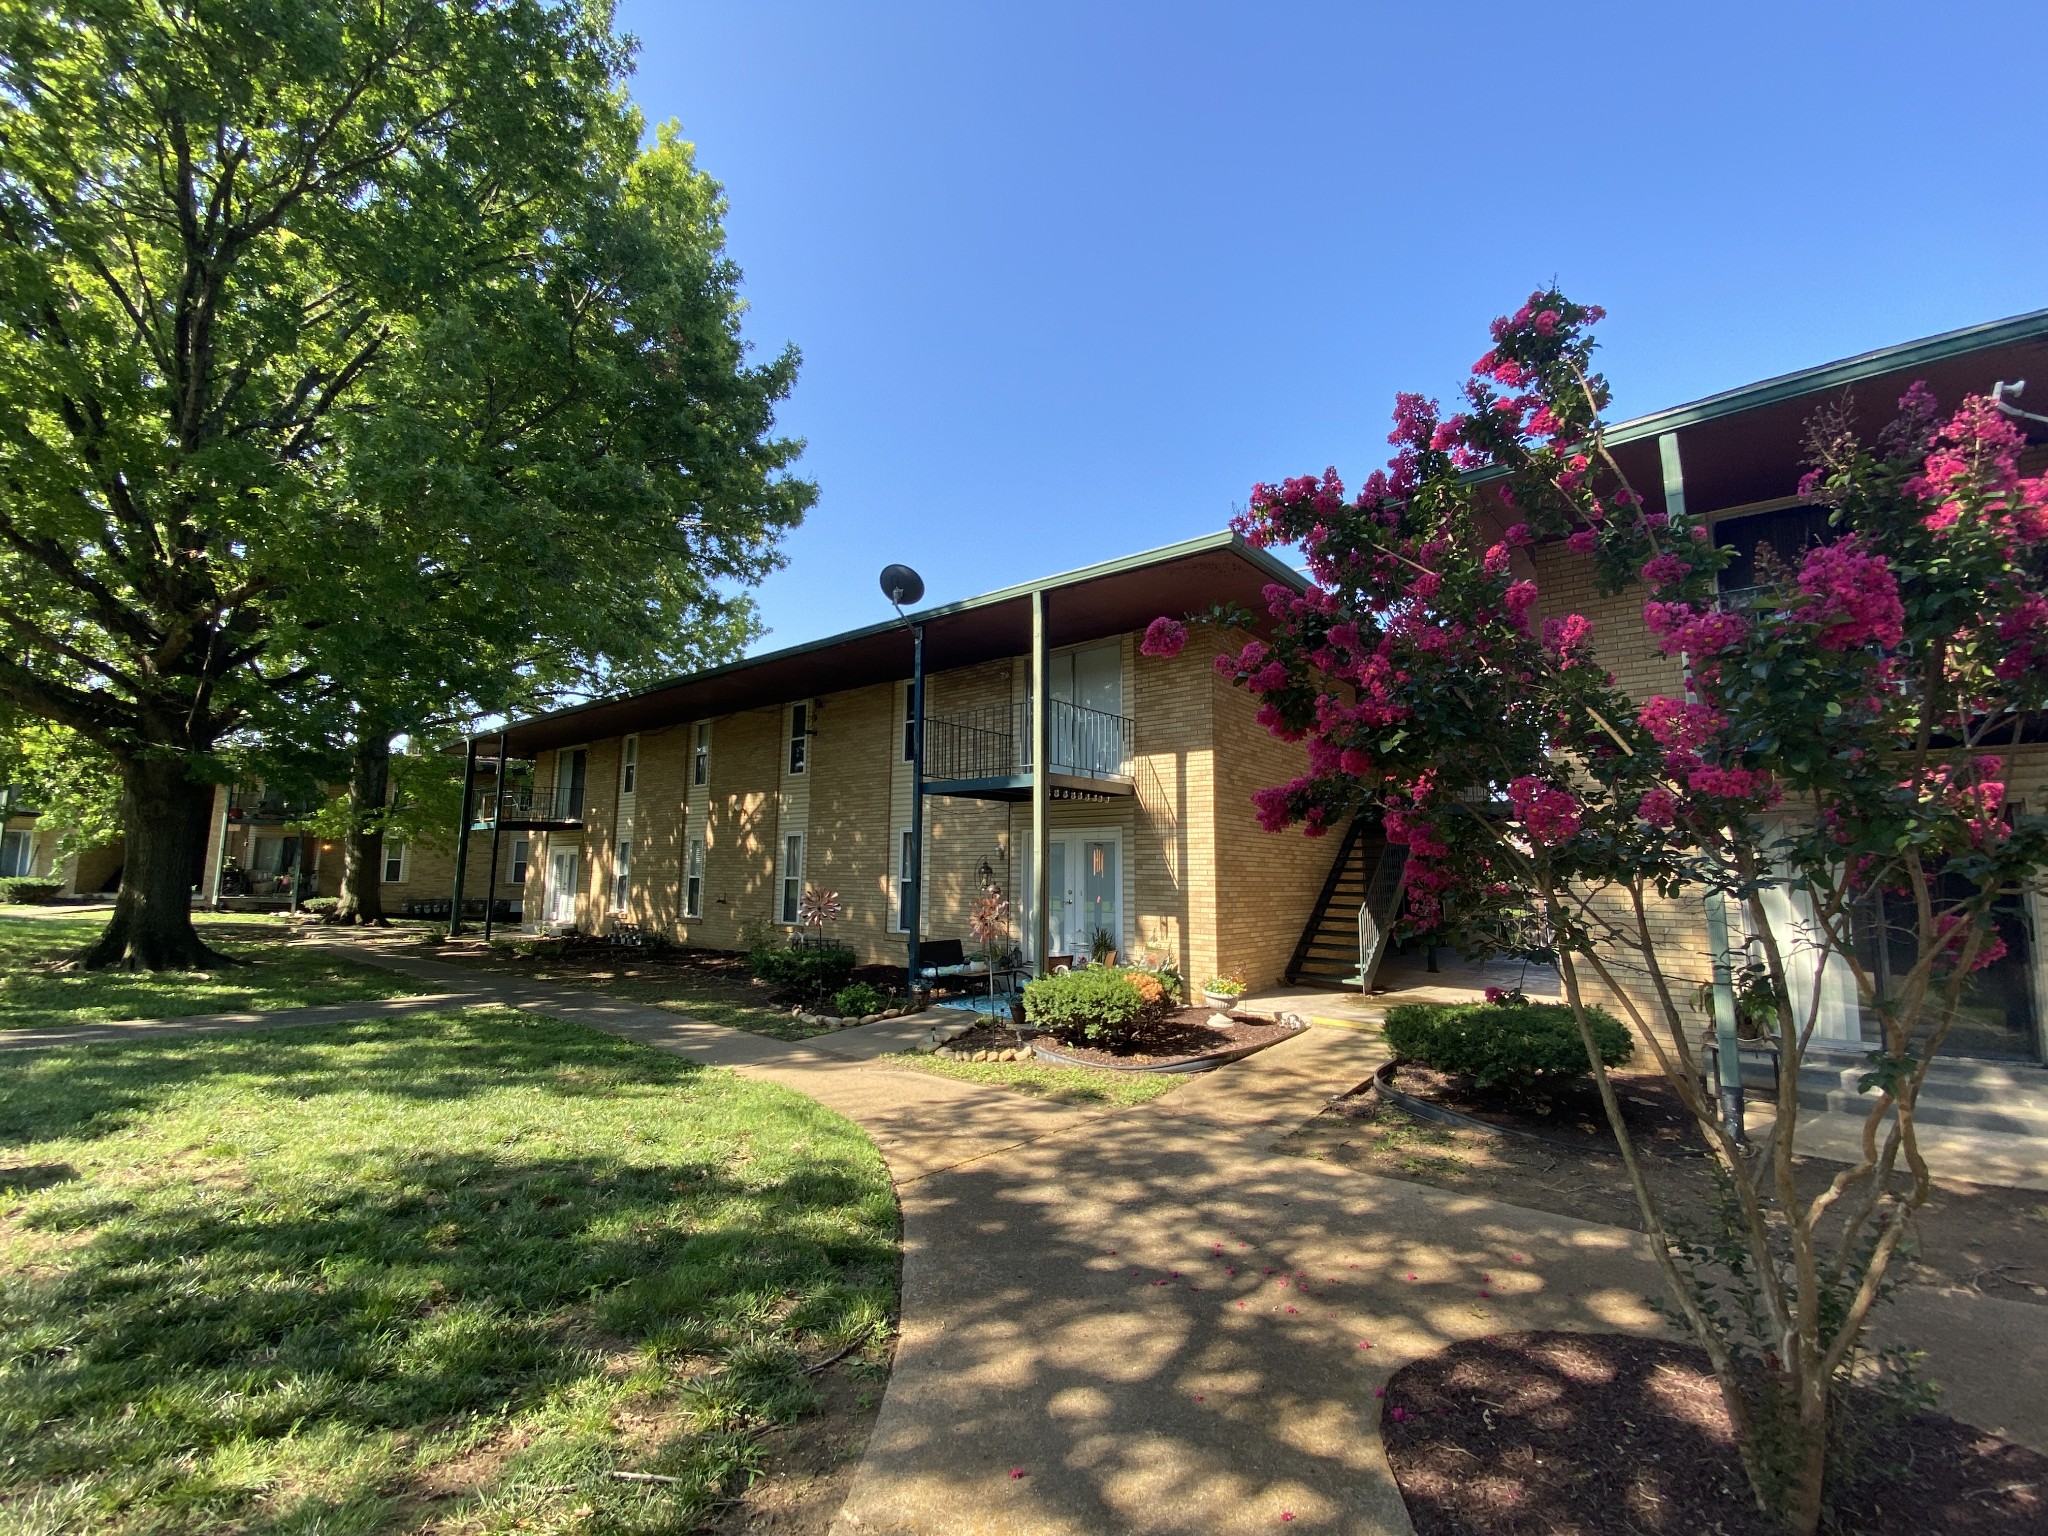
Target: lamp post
<point>900,584</point>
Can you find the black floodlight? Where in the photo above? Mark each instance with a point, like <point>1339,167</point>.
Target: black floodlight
<point>901,585</point>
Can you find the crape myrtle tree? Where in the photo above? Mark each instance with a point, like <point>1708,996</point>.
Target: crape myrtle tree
<point>1838,740</point>
<point>281,288</point>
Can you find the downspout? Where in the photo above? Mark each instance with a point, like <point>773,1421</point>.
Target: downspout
<point>1727,1049</point>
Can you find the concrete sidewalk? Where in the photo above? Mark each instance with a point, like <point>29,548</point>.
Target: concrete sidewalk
<point>1150,1320</point>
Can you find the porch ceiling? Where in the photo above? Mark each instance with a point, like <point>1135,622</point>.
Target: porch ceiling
<point>1080,606</point>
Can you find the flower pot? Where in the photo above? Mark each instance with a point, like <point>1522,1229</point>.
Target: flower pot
<point>1222,1002</point>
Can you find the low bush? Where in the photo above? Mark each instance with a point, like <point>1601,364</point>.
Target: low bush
<point>858,1000</point>
<point>1100,1005</point>
<point>322,907</point>
<point>815,973</point>
<point>1514,1047</point>
<point>26,892</point>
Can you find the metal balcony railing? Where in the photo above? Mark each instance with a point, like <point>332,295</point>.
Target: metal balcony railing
<point>537,802</point>
<point>265,807</point>
<point>995,742</point>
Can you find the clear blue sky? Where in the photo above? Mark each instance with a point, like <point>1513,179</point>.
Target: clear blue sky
<point>1068,279</point>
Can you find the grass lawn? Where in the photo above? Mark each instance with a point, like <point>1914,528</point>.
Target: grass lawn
<point>711,989</point>
<point>1068,1085</point>
<point>37,992</point>
<point>439,1274</point>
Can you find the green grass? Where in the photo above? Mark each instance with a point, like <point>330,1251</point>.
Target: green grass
<point>37,992</point>
<point>442,1273</point>
<point>1068,1085</point>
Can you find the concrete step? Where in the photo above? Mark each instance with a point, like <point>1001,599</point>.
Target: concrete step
<point>2007,1098</point>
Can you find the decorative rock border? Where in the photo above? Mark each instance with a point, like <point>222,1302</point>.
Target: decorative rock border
<point>1443,1114</point>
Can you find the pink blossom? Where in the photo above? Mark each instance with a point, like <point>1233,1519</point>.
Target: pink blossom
<point>1665,570</point>
<point>1520,597</point>
<point>1569,635</point>
<point>1164,637</point>
<point>1425,586</point>
<point>1659,807</point>
<point>1583,542</point>
<point>1518,536</point>
<point>1545,324</point>
<point>1679,725</point>
<point>1733,783</point>
<point>1496,562</point>
<point>1550,814</point>
<point>1853,596</point>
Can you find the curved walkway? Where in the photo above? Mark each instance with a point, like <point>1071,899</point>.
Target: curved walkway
<point>1148,1320</point>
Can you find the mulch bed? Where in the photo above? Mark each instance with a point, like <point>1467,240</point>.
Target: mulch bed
<point>1573,1116</point>
<point>1569,1434</point>
<point>1184,1036</point>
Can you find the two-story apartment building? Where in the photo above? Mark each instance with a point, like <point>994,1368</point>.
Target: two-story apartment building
<point>703,808</point>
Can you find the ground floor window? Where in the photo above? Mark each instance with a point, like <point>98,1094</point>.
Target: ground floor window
<point>394,861</point>
<point>521,853</point>
<point>622,874</point>
<point>693,879</point>
<point>1996,1016</point>
<point>792,876</point>
<point>900,911</point>
<point>17,853</point>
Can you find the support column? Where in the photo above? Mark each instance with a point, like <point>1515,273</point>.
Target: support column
<point>913,905</point>
<point>222,794</point>
<point>1727,1049</point>
<point>497,823</point>
<point>462,836</point>
<point>1041,789</point>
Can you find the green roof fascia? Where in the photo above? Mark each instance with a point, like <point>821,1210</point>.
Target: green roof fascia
<point>1203,544</point>
<point>1849,370</point>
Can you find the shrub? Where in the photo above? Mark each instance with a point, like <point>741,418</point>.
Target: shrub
<point>1521,1048</point>
<point>1100,1005</point>
<point>28,892</point>
<point>852,1002</point>
<point>322,907</point>
<point>814,973</point>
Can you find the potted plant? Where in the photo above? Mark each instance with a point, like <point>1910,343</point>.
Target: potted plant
<point>1222,992</point>
<point>1102,947</point>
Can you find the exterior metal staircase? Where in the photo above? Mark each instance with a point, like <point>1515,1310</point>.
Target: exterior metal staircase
<point>1347,931</point>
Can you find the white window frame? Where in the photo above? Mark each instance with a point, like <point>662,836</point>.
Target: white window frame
<point>700,754</point>
<point>622,874</point>
<point>404,862</point>
<point>629,765</point>
<point>693,877</point>
<point>519,866</point>
<point>909,722</point>
<point>792,878</point>
<point>25,840</point>
<point>899,903</point>
<point>798,758</point>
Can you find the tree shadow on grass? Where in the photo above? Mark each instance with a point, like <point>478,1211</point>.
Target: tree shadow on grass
<point>424,1290</point>
<point>98,1090</point>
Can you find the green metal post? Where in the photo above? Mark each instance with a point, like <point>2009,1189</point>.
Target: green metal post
<point>462,836</point>
<point>1041,787</point>
<point>1727,1049</point>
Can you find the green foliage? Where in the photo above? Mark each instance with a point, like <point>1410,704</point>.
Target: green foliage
<point>1099,1005</point>
<point>20,890</point>
<point>1043,1080</point>
<point>63,775</point>
<point>857,1000</point>
<point>452,1262</point>
<point>1225,986</point>
<point>423,808</point>
<point>810,972</point>
<point>1521,1048</point>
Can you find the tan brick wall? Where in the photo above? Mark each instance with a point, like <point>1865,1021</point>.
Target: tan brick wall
<point>1173,854</point>
<point>1271,879</point>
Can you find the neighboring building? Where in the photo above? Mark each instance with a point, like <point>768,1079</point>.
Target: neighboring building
<point>701,809</point>
<point>27,849</point>
<point>1737,458</point>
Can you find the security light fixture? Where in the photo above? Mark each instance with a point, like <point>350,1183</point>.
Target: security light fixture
<point>901,585</point>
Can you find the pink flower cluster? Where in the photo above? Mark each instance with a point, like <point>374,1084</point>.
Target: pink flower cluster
<point>1852,595</point>
<point>1678,726</point>
<point>1164,638</point>
<point>1550,814</point>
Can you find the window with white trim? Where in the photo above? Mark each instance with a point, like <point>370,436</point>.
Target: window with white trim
<point>909,722</point>
<point>622,874</point>
<point>394,861</point>
<point>521,855</point>
<point>693,879</point>
<point>799,737</point>
<point>901,906</point>
<point>792,876</point>
<point>16,852</point>
<point>700,754</point>
<point>629,765</point>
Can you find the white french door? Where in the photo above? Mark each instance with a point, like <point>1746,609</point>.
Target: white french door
<point>1087,892</point>
<point>562,885</point>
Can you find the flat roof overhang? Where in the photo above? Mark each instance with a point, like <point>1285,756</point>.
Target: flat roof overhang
<point>1016,788</point>
<point>1080,606</point>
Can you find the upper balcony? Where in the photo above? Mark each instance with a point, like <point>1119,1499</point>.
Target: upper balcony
<point>985,754</point>
<point>531,808</point>
<point>257,804</point>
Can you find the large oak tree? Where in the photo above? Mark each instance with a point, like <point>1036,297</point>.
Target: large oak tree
<point>347,351</point>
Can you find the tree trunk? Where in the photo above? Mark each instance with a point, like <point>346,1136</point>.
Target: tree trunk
<point>362,858</point>
<point>164,814</point>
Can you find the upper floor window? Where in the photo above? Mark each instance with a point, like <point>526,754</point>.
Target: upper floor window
<point>1764,539</point>
<point>700,754</point>
<point>910,722</point>
<point>693,879</point>
<point>799,737</point>
<point>629,765</point>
